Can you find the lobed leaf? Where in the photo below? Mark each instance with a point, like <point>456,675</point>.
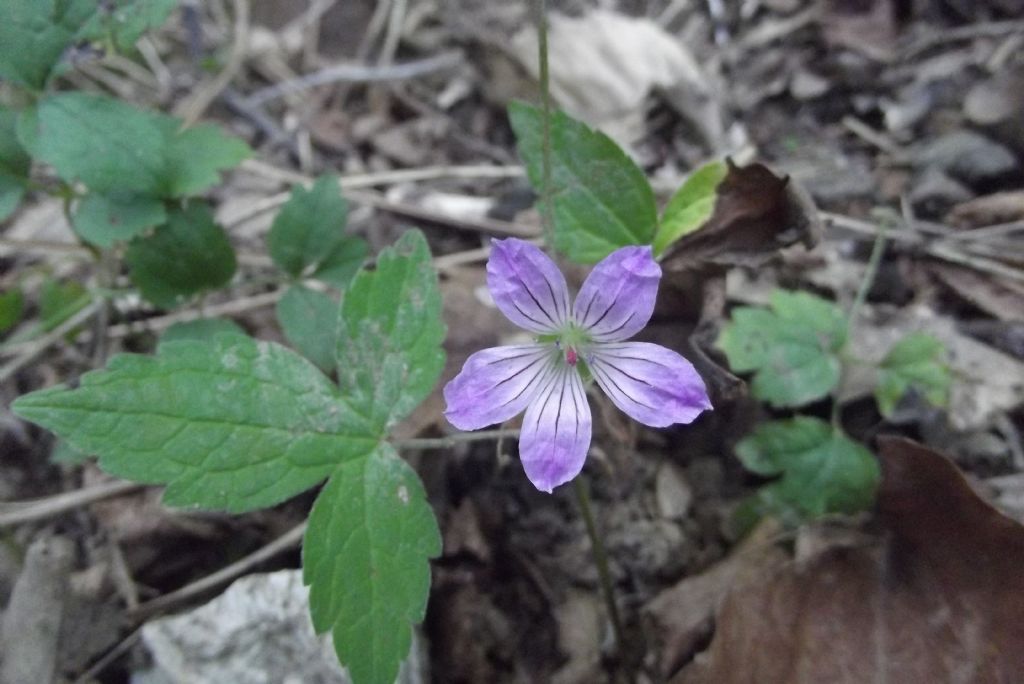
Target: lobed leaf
<point>370,535</point>
<point>14,164</point>
<point>201,329</point>
<point>389,353</point>
<point>188,254</point>
<point>791,348</point>
<point>915,362</point>
<point>231,424</point>
<point>602,200</point>
<point>113,147</point>
<point>821,470</point>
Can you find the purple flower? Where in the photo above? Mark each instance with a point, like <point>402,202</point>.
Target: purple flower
<point>652,384</point>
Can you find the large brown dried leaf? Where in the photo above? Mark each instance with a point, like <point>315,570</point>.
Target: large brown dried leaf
<point>938,597</point>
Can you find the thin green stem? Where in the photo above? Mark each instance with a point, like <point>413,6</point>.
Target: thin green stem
<point>452,440</point>
<point>874,261</point>
<point>600,557</point>
<point>547,211</point>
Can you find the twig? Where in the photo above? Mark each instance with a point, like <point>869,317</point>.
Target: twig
<point>867,133</point>
<point>226,309</point>
<point>36,347</point>
<point>979,30</point>
<point>358,73</point>
<point>394,33</point>
<point>288,540</point>
<point>19,512</point>
<point>190,110</point>
<point>452,440</point>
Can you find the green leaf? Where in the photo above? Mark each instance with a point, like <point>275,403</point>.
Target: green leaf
<point>390,333</point>
<point>792,348</point>
<point>370,535</point>
<point>187,255</point>
<point>309,226</point>
<point>915,362</point>
<point>193,158</point>
<point>691,206</point>
<point>201,329</point>
<point>12,305</point>
<point>34,35</point>
<point>602,201</point>
<point>343,262</point>
<point>59,302</point>
<point>122,22</point>
<point>113,147</point>
<point>14,164</point>
<point>104,220</point>
<point>106,144</point>
<point>308,319</point>
<point>821,470</point>
<point>232,424</point>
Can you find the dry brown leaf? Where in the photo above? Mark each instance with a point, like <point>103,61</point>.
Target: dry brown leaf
<point>756,213</point>
<point>938,597</point>
<point>865,26</point>
<point>1000,297</point>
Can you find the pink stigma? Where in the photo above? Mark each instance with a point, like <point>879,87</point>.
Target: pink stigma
<point>570,356</point>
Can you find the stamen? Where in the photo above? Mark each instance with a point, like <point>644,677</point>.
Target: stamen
<point>570,356</point>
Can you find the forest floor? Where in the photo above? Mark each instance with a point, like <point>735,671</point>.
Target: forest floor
<point>886,112</point>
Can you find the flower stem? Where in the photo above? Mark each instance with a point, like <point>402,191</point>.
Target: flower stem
<point>600,557</point>
<point>547,212</point>
<point>452,440</point>
<point>870,273</point>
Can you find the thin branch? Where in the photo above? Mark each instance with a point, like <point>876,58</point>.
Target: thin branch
<point>190,110</point>
<point>19,512</point>
<point>359,73</point>
<point>33,349</point>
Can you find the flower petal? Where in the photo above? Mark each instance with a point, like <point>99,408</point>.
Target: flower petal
<point>650,383</point>
<point>496,384</point>
<point>556,431</point>
<point>527,286</point>
<point>617,298</point>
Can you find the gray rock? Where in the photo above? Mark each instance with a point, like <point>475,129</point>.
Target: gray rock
<point>968,156</point>
<point>934,193</point>
<point>256,632</point>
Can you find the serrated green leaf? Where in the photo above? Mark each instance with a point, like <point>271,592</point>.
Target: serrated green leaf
<point>188,254</point>
<point>34,35</point>
<point>113,147</point>
<point>370,535</point>
<point>602,200</point>
<point>309,226</point>
<point>59,302</point>
<point>792,348</point>
<point>915,362</point>
<point>194,157</point>
<point>821,470</point>
<point>104,220</point>
<point>122,22</point>
<point>691,206</point>
<point>308,319</point>
<point>12,305</point>
<point>12,189</point>
<point>201,329</point>
<point>232,424</point>
<point>389,353</point>
<point>106,144</point>
<point>343,262</point>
